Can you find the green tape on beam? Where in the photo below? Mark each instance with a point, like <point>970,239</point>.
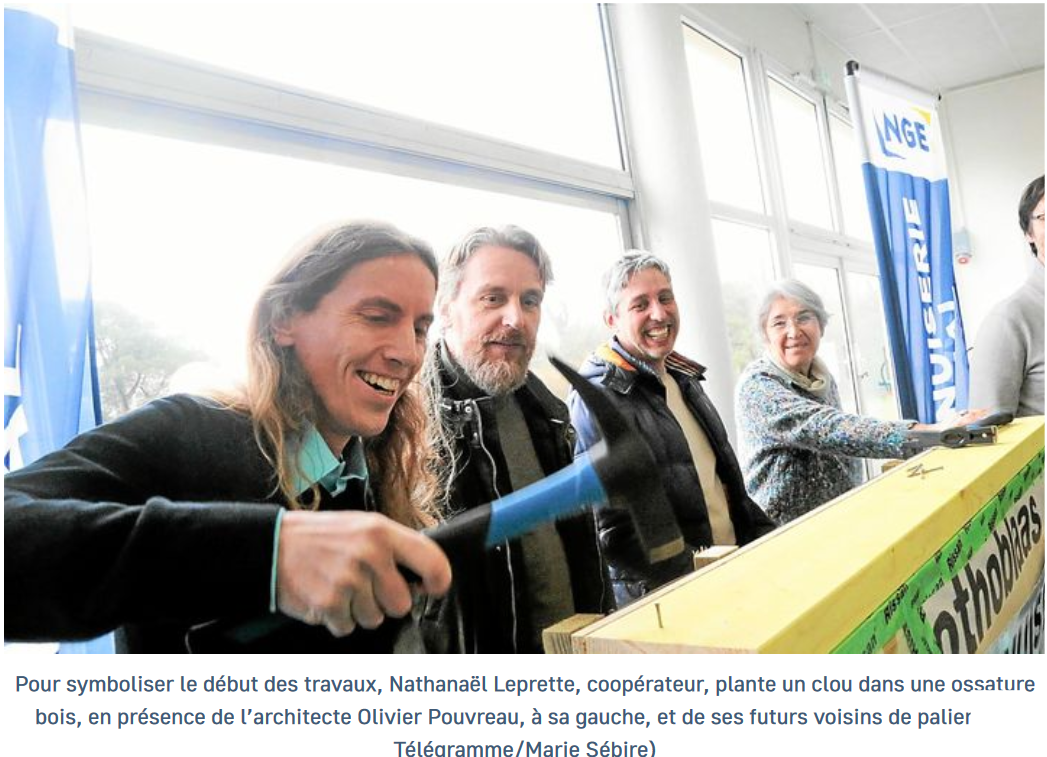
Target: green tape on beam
<point>902,611</point>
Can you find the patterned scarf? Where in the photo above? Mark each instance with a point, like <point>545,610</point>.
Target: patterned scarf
<point>817,383</point>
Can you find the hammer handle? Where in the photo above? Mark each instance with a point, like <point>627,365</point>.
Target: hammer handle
<point>572,489</point>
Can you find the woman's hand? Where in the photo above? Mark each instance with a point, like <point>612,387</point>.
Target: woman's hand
<point>966,418</point>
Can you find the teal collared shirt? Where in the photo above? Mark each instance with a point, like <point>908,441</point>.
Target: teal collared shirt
<point>318,465</point>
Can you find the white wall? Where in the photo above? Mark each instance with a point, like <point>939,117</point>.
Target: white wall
<point>996,134</point>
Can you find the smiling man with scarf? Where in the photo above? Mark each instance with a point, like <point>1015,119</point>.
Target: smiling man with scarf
<point>660,392</point>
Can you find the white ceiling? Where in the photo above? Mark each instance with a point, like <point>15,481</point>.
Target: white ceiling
<point>937,47</point>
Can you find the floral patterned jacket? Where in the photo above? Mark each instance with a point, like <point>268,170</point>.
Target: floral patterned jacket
<point>800,450</point>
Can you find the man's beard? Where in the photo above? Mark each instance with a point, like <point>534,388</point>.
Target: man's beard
<point>496,377</point>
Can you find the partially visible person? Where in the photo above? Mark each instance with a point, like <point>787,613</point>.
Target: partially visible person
<point>799,448</point>
<point>1007,359</point>
<point>299,495</point>
<point>506,430</point>
<point>660,393</point>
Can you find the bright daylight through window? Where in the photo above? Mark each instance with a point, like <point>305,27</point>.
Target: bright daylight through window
<point>173,297</point>
<point>456,65</point>
<point>192,205</point>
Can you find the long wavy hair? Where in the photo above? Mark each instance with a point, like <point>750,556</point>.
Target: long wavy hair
<point>282,403</point>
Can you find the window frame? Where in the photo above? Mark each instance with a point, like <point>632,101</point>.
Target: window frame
<point>125,85</point>
<point>755,124</point>
<point>791,240</point>
<point>773,73</point>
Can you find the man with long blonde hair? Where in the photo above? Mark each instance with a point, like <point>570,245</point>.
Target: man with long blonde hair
<point>300,494</point>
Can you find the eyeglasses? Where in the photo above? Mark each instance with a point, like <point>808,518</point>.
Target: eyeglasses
<point>781,323</point>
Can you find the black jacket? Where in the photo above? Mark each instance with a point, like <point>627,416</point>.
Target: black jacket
<point>152,524</point>
<point>640,395</point>
<point>489,588</point>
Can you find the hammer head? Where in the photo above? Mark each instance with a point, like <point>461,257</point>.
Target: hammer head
<point>628,471</point>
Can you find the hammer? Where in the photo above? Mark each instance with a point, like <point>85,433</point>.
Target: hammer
<point>619,470</point>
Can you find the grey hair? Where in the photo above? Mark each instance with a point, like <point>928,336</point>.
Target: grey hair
<point>618,276</point>
<point>791,289</point>
<point>452,267</point>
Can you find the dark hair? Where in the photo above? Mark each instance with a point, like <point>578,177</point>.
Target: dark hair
<point>1030,199</point>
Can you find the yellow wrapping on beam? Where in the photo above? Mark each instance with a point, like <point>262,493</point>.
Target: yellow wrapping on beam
<point>868,571</point>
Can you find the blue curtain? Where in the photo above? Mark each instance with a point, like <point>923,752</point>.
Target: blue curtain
<point>50,382</point>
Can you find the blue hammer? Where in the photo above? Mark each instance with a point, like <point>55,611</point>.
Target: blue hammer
<point>619,470</point>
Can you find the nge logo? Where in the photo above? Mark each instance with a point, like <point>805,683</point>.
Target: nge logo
<point>902,133</point>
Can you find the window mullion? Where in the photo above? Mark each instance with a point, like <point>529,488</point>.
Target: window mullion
<point>767,151</point>
<point>828,160</point>
<point>845,295</point>
<point>107,66</point>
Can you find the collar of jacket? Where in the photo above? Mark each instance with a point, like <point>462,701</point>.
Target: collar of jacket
<point>463,407</point>
<point>459,397</point>
<point>630,368</point>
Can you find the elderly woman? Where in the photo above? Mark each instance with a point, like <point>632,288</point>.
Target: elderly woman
<point>798,448</point>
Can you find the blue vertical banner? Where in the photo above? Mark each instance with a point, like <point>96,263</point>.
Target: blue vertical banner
<point>907,188</point>
<point>50,388</point>
<point>50,382</point>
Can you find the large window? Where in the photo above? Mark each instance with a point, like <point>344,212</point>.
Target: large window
<point>200,179</point>
<point>530,74</point>
<point>872,352</point>
<point>800,156</point>
<point>833,350</point>
<point>781,165</point>
<point>744,259</point>
<point>854,208</point>
<point>721,107</point>
<point>185,235</point>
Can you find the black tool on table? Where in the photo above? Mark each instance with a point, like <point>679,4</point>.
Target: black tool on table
<point>983,431</point>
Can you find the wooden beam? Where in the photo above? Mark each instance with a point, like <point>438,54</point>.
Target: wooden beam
<point>556,639</point>
<point>708,556</point>
<point>872,571</point>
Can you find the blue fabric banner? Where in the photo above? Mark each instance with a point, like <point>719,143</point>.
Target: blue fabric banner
<point>908,194</point>
<point>50,382</point>
<point>47,347</point>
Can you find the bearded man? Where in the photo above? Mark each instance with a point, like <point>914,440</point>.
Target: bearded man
<point>505,430</point>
